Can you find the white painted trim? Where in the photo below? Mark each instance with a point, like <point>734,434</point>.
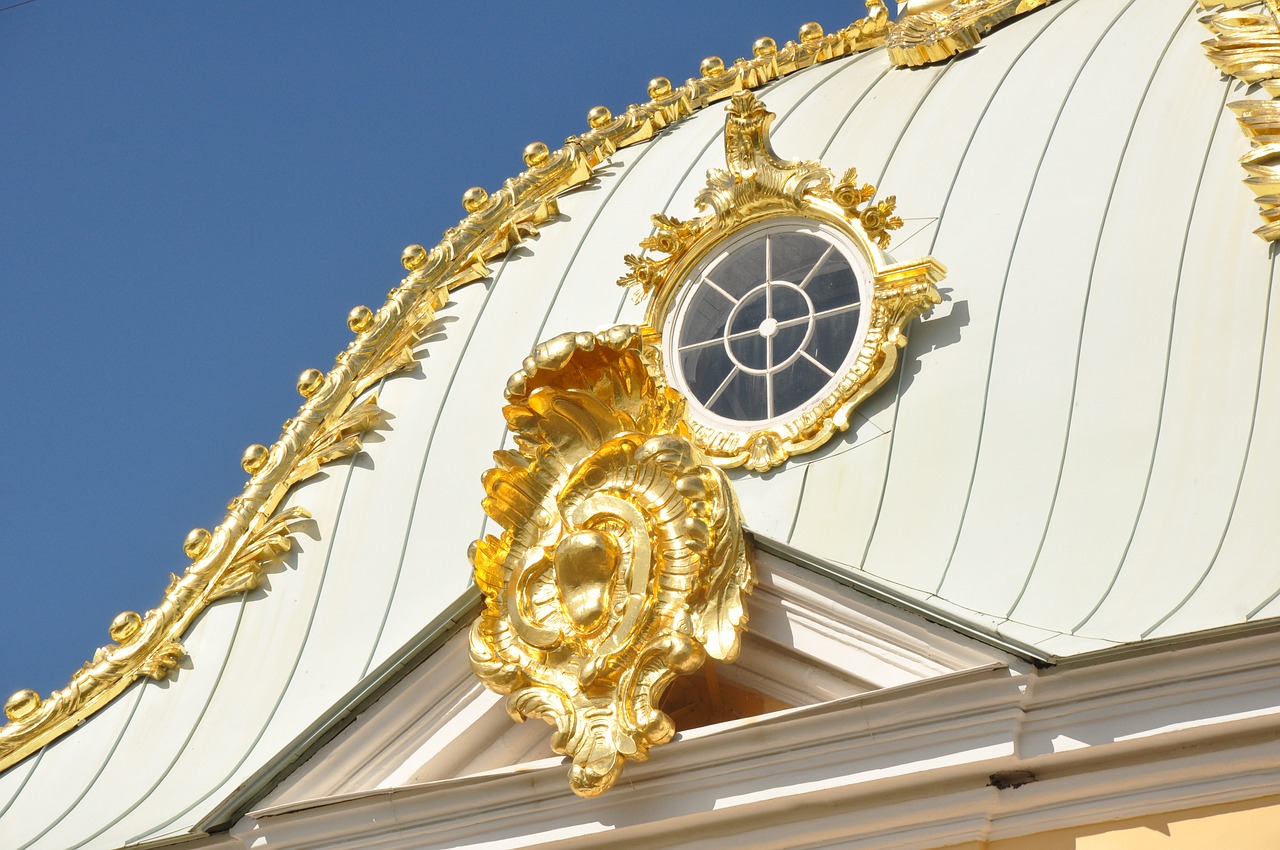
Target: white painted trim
<point>906,767</point>
<point>810,640</point>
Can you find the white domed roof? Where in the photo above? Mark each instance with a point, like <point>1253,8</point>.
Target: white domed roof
<point>1074,452</point>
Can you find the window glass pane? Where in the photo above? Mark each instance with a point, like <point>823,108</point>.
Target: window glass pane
<point>741,271</point>
<point>799,383</point>
<point>744,400</point>
<point>768,325</point>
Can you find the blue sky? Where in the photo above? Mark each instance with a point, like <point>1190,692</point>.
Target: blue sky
<point>193,195</point>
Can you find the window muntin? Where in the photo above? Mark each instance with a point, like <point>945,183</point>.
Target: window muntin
<point>767,323</point>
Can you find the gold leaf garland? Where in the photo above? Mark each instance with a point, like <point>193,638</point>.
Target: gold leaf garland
<point>226,560</point>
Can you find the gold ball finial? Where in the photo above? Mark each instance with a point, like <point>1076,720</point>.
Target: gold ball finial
<point>712,66</point>
<point>413,258</point>
<point>764,47</point>
<point>598,117</point>
<point>810,32</point>
<point>659,87</point>
<point>474,199</point>
<point>254,458</point>
<point>125,626</point>
<point>310,382</point>
<point>197,542</point>
<point>21,705</point>
<point>536,155</point>
<point>359,319</point>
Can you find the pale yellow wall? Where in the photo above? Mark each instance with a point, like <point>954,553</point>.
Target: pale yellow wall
<point>1252,825</point>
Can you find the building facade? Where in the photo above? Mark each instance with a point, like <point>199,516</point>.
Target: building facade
<point>1005,550</point>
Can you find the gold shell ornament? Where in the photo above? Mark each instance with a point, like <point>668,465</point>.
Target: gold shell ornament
<point>622,561</point>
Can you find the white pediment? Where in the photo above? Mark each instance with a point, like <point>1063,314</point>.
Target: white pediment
<point>809,641</point>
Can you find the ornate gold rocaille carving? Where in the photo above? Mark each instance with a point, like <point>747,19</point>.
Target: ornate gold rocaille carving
<point>935,30</point>
<point>385,343</point>
<point>758,185</point>
<point>622,562</point>
<point>1246,45</point>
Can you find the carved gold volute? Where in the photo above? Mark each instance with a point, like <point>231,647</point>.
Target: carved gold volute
<point>622,562</point>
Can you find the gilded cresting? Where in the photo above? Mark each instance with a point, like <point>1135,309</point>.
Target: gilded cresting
<point>339,406</point>
<point>1246,45</point>
<point>757,186</point>
<point>935,30</point>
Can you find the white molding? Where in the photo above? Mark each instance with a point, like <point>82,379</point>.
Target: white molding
<point>810,640</point>
<point>905,767</point>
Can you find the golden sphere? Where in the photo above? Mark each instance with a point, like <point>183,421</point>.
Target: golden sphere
<point>810,32</point>
<point>536,155</point>
<point>474,199</point>
<point>125,626</point>
<point>359,319</point>
<point>413,258</point>
<point>310,382</point>
<point>197,542</point>
<point>712,66</point>
<point>659,87</point>
<point>254,458</point>
<point>764,47</point>
<point>598,117</point>
<point>21,705</point>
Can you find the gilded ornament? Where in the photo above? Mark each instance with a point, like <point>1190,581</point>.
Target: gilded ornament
<point>495,223</point>
<point>125,626</point>
<point>536,155</point>
<point>936,30</point>
<point>474,199</point>
<point>413,258</point>
<point>810,32</point>
<point>1246,45</point>
<point>712,66</point>
<point>254,458</point>
<point>622,562</point>
<point>359,319</point>
<point>197,542</point>
<point>310,382</point>
<point>758,186</point>
<point>764,47</point>
<point>21,705</point>
<point>598,117</point>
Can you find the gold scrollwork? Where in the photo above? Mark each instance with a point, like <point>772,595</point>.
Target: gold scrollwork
<point>935,30</point>
<point>622,562</point>
<point>1246,45</point>
<point>757,185</point>
<point>386,343</point>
